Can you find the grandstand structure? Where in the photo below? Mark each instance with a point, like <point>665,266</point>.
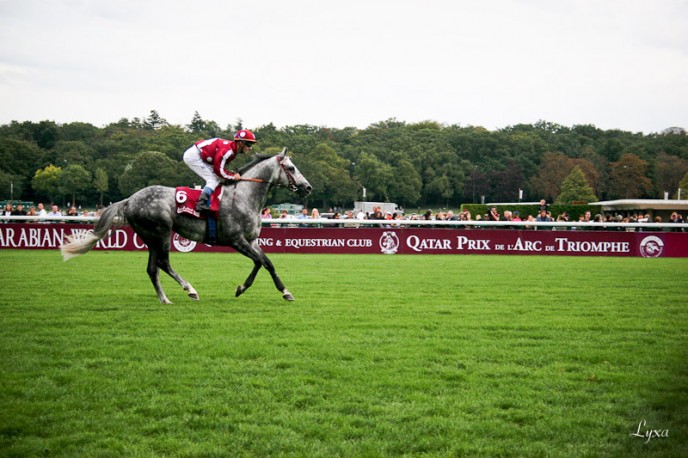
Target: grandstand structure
<point>653,207</point>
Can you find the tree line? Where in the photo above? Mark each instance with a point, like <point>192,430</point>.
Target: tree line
<point>413,164</point>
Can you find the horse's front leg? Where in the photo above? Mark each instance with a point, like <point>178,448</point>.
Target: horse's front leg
<point>253,251</point>
<point>275,278</point>
<point>249,280</point>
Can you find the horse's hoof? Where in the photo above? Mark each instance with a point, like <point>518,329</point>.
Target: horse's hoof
<point>287,296</point>
<point>240,290</point>
<point>194,296</point>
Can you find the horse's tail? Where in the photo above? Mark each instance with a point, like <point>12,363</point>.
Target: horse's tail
<point>82,242</point>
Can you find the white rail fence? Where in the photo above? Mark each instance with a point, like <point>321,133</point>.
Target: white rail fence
<point>351,223</point>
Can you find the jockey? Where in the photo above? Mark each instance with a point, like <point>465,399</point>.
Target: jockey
<point>208,159</point>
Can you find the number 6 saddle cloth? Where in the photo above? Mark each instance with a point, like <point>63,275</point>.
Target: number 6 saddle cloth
<point>186,198</point>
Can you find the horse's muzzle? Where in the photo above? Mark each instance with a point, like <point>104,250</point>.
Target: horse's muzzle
<point>304,189</point>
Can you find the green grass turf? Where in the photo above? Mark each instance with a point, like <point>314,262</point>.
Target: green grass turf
<point>378,356</point>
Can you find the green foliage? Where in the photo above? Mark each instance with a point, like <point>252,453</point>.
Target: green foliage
<point>11,185</point>
<point>575,188</point>
<point>443,355</point>
<point>684,187</point>
<point>71,152</point>
<point>328,173</point>
<point>405,188</point>
<point>425,163</point>
<point>668,172</point>
<point>628,178</point>
<point>149,168</point>
<point>154,121</point>
<point>375,175</point>
<point>20,157</point>
<point>101,182</point>
<point>48,181</point>
<point>75,178</point>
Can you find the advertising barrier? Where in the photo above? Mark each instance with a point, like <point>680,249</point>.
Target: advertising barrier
<point>379,240</point>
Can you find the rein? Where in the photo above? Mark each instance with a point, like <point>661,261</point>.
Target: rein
<point>255,180</point>
<point>290,178</point>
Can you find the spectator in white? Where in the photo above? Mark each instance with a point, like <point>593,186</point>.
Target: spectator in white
<point>315,214</point>
<point>54,211</point>
<point>7,212</point>
<point>41,212</point>
<point>303,215</point>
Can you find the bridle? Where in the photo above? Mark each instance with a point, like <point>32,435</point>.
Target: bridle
<point>290,176</point>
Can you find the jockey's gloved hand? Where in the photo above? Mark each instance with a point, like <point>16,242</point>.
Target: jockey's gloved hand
<point>231,178</point>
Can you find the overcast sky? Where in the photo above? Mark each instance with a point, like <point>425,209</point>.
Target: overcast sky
<point>617,64</point>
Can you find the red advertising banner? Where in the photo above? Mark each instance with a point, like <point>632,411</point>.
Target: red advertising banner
<point>385,241</point>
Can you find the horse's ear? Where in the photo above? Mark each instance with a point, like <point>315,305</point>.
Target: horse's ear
<point>284,152</point>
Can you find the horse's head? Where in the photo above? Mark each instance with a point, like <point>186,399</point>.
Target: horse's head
<point>290,177</point>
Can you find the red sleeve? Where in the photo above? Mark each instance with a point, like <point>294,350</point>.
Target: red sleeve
<point>224,155</point>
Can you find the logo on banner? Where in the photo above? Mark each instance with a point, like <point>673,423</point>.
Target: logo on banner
<point>389,242</point>
<point>651,247</point>
<point>182,244</point>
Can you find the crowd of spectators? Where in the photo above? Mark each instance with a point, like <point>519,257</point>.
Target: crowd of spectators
<point>493,215</point>
<point>387,218</point>
<point>39,211</point>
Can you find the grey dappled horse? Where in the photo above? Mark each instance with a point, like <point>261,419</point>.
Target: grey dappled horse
<point>152,215</point>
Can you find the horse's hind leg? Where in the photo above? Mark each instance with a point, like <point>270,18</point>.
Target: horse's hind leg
<point>154,274</point>
<point>163,262</point>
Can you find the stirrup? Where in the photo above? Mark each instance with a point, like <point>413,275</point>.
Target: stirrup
<point>202,205</point>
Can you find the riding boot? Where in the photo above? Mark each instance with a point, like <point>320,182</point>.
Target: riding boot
<point>203,203</point>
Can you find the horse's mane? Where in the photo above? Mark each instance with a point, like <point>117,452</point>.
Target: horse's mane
<point>257,159</point>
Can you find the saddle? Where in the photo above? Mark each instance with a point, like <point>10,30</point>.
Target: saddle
<point>186,198</point>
